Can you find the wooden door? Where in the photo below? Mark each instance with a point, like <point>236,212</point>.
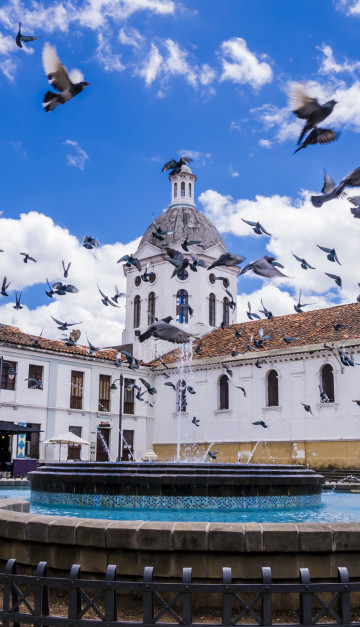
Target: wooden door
<point>102,445</point>
<point>128,446</point>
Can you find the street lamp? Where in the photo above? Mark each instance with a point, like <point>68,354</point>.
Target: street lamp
<point>113,387</point>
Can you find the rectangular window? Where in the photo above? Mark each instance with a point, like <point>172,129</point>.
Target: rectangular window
<point>104,392</point>
<point>129,401</point>
<point>74,450</point>
<point>76,390</point>
<point>35,377</point>
<point>8,377</point>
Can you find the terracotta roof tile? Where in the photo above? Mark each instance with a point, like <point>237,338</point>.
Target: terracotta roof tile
<point>311,327</point>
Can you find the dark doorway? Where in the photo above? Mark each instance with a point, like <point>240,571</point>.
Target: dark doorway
<point>5,448</point>
<point>32,441</point>
<point>128,446</point>
<point>74,450</point>
<point>102,445</point>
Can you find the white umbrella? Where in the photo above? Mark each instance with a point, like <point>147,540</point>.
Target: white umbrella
<point>65,438</point>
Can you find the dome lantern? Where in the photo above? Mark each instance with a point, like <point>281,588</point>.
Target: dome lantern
<point>182,188</point>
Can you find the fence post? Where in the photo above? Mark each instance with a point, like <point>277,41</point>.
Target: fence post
<point>110,594</point>
<point>187,598</point>
<point>74,608</point>
<point>41,600</point>
<point>266,598</point>
<point>10,595</point>
<point>148,598</point>
<point>305,598</point>
<point>344,603</point>
<point>226,597</point>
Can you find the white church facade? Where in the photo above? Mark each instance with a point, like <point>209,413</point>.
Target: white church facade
<point>209,393</point>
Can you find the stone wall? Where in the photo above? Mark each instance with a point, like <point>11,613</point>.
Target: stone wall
<point>170,546</point>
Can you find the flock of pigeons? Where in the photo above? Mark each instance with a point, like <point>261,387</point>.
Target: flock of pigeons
<point>68,85</point>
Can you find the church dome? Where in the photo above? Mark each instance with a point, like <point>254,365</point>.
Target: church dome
<point>183,222</point>
<point>182,219</point>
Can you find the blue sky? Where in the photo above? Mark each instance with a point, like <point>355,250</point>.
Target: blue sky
<point>208,79</point>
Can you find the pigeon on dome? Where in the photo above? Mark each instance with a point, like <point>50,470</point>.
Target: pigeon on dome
<point>175,166</point>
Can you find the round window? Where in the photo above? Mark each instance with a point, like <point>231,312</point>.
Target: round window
<point>137,281</point>
<point>152,277</point>
<point>183,275</point>
<point>212,278</point>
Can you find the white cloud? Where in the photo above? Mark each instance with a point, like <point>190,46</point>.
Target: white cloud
<point>295,226</point>
<point>172,61</point>
<point>352,6</point>
<point>151,66</point>
<point>207,75</point>
<point>195,155</point>
<point>106,56</point>
<point>78,157</point>
<point>330,66</point>
<point>49,244</point>
<point>234,173</point>
<point>176,63</point>
<point>265,143</point>
<point>243,65</point>
<point>131,38</point>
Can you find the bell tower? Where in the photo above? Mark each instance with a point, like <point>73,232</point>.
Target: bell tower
<point>182,188</point>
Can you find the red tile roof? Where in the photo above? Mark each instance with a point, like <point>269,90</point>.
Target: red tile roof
<point>311,327</point>
<point>13,335</point>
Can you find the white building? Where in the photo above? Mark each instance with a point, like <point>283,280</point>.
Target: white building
<point>61,388</point>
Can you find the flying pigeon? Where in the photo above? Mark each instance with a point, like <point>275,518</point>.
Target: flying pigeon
<point>329,184</point>
<point>198,349</point>
<point>258,228</point>
<point>196,262</point>
<point>355,200</point>
<point>350,180</point>
<point>186,243</point>
<point>36,340</point>
<point>226,282</point>
<point>262,338</point>
<point>159,232</point>
<point>130,261</point>
<point>258,363</point>
<point>92,349</point>
<point>175,166</point>
<point>232,303</point>
<point>309,109</point>
<point>68,85</point>
<point>213,454</point>
<point>66,270</point>
<point>27,257</point>
<point>228,260</point>
<point>263,267</point>
<point>117,295</point>
<point>51,291</point>
<point>106,300</point>
<point>171,385</point>
<point>151,390</point>
<point>147,276</point>
<point>190,389</point>
<point>163,330</point>
<point>26,38</point>
<point>133,363</point>
<point>304,264</point>
<point>332,256</point>
<point>260,423</point>
<point>298,307</point>
<point>307,408</point>
<point>336,278</point>
<point>61,289</point>
<point>64,326</point>
<point>196,421</point>
<point>241,388</point>
<point>251,315</point>
<point>267,314</point>
<point>4,287</point>
<point>17,301</point>
<point>319,136</point>
<point>89,242</point>
<point>228,370</point>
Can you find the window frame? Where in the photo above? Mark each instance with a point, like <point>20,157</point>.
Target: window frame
<point>224,397</point>
<point>212,309</point>
<point>76,400</point>
<point>32,375</point>
<point>182,298</point>
<point>104,387</point>
<point>272,393</point>
<point>7,383</point>
<point>137,311</point>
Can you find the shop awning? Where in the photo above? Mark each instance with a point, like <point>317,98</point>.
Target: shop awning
<point>10,427</point>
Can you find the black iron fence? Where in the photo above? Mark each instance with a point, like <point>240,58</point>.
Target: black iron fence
<point>25,600</point>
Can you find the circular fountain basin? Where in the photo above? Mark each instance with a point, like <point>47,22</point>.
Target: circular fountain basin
<point>174,485</point>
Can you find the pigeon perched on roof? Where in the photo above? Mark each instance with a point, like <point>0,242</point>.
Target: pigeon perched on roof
<point>163,330</point>
<point>264,266</point>
<point>25,38</point>
<point>258,228</point>
<point>68,85</point>
<point>228,260</point>
<point>309,109</point>
<point>175,166</point>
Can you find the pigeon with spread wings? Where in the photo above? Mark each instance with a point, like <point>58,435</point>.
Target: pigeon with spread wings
<point>68,85</point>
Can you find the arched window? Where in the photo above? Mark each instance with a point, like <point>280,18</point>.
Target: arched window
<point>224,392</point>
<point>226,310</point>
<point>183,188</point>
<point>190,190</point>
<point>212,310</point>
<point>181,396</point>
<point>272,380</point>
<point>182,313</point>
<point>327,382</point>
<point>175,190</point>
<point>151,308</point>
<point>137,310</point>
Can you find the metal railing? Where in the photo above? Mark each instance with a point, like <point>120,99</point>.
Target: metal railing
<point>26,599</point>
